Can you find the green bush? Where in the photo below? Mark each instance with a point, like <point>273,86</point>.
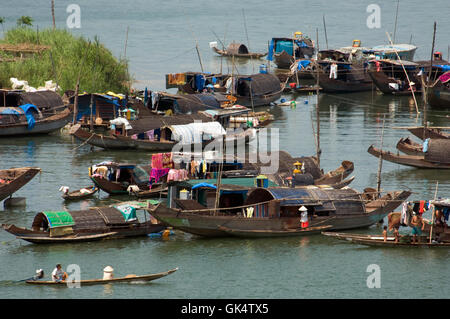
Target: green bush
<point>101,71</point>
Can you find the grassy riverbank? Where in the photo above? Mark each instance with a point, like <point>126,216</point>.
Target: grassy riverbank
<point>62,61</point>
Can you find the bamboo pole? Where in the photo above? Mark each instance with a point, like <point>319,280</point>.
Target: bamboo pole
<point>380,160</point>
<point>318,151</point>
<point>406,73</point>
<point>325,28</point>
<point>395,25</point>
<point>432,214</point>
<point>53,14</point>
<point>425,107</point>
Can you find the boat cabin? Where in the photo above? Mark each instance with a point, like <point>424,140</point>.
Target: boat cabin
<point>120,173</point>
<point>95,220</point>
<point>301,47</point>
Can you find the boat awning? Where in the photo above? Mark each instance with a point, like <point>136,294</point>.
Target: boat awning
<point>59,219</point>
<point>206,185</point>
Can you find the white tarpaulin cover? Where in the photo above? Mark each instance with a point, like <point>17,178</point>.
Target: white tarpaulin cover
<point>194,133</point>
<point>121,121</point>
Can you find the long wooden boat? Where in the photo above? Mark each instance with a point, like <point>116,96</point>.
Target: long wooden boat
<point>275,209</point>
<point>93,224</point>
<point>81,193</point>
<point>409,147</point>
<point>390,78</point>
<point>11,180</point>
<point>378,240</point>
<point>238,50</point>
<point>42,125</point>
<point>274,233</point>
<point>336,176</point>
<point>340,86</point>
<point>408,160</point>
<point>427,132</point>
<point>284,51</point>
<point>119,142</point>
<point>128,278</point>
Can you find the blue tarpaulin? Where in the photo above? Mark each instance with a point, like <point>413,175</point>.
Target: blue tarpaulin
<point>27,109</point>
<point>286,46</point>
<point>204,185</point>
<point>199,82</point>
<point>9,112</point>
<point>301,44</point>
<point>443,67</point>
<point>303,64</point>
<point>270,53</point>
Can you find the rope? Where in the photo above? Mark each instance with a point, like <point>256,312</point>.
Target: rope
<point>84,143</point>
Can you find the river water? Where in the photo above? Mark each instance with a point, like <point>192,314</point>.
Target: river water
<point>161,39</point>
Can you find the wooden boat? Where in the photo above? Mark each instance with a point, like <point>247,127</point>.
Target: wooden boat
<point>390,78</point>
<point>378,240</point>
<point>167,139</point>
<point>93,224</point>
<point>427,132</point>
<point>272,233</point>
<point>11,180</point>
<point>25,113</point>
<point>127,279</point>
<point>336,176</point>
<point>284,51</point>
<point>409,147</point>
<point>439,95</point>
<point>115,178</point>
<point>428,160</point>
<point>237,50</point>
<point>273,209</point>
<point>81,193</point>
<point>352,81</point>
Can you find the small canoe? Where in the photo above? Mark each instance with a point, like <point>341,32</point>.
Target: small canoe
<point>128,278</point>
<point>66,239</point>
<point>81,193</point>
<point>378,240</point>
<point>274,233</point>
<point>409,147</point>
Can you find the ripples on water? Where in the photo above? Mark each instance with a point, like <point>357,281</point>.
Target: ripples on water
<point>161,41</point>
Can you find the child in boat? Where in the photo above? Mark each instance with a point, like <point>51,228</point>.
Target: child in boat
<point>396,234</point>
<point>417,226</point>
<point>385,233</point>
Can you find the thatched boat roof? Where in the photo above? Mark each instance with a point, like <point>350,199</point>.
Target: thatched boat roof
<point>237,48</point>
<point>260,84</point>
<point>41,99</point>
<point>438,151</point>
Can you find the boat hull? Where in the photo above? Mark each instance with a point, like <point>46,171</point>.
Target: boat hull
<point>26,174</point>
<point>129,278</point>
<point>338,86</point>
<point>44,126</point>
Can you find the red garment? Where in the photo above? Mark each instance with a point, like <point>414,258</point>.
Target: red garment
<point>305,225</point>
<point>421,207</point>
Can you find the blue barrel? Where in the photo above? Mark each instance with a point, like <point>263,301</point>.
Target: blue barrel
<point>263,68</point>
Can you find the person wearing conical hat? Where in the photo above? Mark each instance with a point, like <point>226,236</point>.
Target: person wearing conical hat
<point>304,223</point>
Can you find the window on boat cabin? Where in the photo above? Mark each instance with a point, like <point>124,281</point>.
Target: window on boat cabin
<point>8,99</point>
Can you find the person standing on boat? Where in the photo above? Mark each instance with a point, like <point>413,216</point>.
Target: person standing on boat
<point>416,221</point>
<point>58,274</point>
<point>333,70</point>
<point>304,223</point>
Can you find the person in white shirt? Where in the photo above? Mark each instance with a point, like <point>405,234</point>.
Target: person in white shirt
<point>303,217</point>
<point>58,274</point>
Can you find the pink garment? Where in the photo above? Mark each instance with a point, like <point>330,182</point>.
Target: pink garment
<point>157,161</point>
<point>177,175</point>
<point>134,136</point>
<point>445,77</point>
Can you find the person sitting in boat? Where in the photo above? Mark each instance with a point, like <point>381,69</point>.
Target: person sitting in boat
<point>440,219</point>
<point>58,274</point>
<point>304,223</point>
<point>417,226</point>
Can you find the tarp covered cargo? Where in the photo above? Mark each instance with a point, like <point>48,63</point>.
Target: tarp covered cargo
<point>196,132</point>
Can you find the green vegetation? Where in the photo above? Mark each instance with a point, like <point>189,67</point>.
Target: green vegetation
<point>62,62</point>
<point>25,20</point>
